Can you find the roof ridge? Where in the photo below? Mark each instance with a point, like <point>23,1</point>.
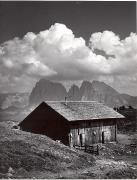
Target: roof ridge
<point>78,110</point>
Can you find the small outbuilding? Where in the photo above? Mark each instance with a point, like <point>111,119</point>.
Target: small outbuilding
<point>74,123</point>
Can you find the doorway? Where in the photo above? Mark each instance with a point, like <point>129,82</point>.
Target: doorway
<point>103,137</point>
<point>82,139</point>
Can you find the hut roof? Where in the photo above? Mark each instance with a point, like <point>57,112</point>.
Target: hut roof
<point>83,110</point>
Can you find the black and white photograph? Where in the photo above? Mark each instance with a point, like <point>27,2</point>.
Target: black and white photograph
<point>68,90</point>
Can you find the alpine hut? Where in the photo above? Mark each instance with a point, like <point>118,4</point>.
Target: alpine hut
<point>74,123</point>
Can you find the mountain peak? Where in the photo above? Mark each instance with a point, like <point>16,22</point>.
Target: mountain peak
<point>86,82</point>
<point>97,82</point>
<point>74,86</point>
<point>98,85</point>
<point>46,90</point>
<point>74,93</point>
<point>44,81</point>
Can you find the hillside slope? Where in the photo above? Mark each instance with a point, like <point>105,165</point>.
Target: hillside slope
<point>27,155</point>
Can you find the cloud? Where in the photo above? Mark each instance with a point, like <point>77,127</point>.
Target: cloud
<point>124,51</point>
<point>68,56</point>
<point>106,41</point>
<point>19,58</point>
<point>57,54</point>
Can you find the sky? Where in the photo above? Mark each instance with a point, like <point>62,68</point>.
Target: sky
<point>68,42</point>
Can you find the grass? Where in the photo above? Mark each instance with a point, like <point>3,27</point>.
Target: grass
<point>124,174</point>
<point>33,152</point>
<point>32,155</point>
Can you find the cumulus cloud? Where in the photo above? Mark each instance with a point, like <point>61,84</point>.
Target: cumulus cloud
<point>57,54</point>
<point>124,51</point>
<point>106,41</point>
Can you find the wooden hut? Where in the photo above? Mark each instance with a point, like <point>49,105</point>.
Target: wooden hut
<point>74,123</point>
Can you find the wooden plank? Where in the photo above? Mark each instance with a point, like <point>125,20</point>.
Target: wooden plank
<point>93,132</point>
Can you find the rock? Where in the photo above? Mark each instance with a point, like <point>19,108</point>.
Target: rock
<point>47,90</point>
<point>95,91</point>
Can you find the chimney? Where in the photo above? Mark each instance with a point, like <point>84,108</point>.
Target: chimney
<point>66,100</point>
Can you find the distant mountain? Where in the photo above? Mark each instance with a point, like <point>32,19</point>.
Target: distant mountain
<point>132,100</point>
<point>74,93</point>
<point>86,91</point>
<point>95,91</point>
<point>101,92</point>
<point>47,90</point>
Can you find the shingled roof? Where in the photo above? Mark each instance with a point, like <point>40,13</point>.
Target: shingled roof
<point>83,110</point>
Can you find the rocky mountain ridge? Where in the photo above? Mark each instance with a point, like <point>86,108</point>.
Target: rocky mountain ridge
<point>46,90</point>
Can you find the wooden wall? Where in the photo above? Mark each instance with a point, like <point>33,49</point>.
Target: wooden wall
<point>46,121</point>
<point>91,132</point>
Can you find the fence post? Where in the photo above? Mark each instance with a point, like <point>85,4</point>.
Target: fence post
<point>97,150</point>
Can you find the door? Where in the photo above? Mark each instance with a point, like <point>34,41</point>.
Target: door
<point>94,137</point>
<point>70,140</point>
<point>82,139</point>
<point>103,137</point>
